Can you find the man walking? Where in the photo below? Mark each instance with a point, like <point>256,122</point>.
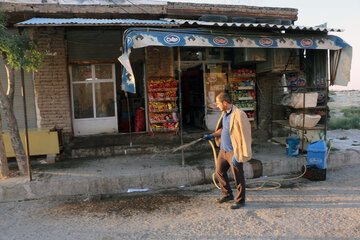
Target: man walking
<point>233,134</point>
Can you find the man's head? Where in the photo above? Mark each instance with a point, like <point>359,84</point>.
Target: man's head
<point>223,101</point>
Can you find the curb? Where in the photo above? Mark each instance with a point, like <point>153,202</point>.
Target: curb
<point>18,189</point>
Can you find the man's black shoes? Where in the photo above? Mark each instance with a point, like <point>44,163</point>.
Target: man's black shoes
<point>237,205</point>
<point>225,199</point>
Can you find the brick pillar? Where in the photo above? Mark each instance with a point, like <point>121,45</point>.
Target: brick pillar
<point>159,61</point>
<point>52,94</point>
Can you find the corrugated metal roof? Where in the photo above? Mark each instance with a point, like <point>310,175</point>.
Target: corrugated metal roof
<point>91,21</point>
<point>253,25</point>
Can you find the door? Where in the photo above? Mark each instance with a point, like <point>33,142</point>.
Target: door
<point>193,106</point>
<point>93,95</point>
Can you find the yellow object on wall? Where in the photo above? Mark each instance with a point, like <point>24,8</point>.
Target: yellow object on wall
<point>41,142</point>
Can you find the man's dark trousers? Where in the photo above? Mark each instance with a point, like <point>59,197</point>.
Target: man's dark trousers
<point>223,163</point>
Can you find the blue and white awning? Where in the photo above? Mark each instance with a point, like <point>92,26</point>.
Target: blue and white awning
<point>141,37</point>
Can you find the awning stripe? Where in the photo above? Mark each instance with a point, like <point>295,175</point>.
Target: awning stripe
<point>142,37</point>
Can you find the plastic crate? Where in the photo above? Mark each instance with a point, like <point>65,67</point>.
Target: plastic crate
<point>313,173</point>
<point>316,154</point>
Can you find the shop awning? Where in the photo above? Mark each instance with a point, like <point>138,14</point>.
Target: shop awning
<point>144,37</point>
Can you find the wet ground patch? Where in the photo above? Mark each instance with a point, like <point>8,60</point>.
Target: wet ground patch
<point>120,204</point>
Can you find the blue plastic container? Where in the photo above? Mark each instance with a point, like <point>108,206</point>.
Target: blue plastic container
<point>292,146</point>
<point>316,154</point>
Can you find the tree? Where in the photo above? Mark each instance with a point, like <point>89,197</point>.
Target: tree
<point>18,52</point>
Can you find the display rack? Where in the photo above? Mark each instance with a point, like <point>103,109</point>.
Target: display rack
<point>162,106</point>
<point>320,108</point>
<point>243,92</point>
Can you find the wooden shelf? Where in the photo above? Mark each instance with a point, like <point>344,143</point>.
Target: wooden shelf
<point>317,107</point>
<point>286,124</point>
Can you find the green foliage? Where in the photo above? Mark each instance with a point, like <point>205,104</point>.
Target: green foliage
<point>18,50</point>
<point>351,112</point>
<point>351,119</point>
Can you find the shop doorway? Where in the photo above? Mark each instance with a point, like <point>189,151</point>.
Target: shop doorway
<point>193,106</point>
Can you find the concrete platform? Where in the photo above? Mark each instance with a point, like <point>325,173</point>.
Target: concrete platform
<point>115,174</point>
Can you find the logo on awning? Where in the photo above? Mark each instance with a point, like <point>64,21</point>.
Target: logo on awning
<point>266,42</point>
<point>306,42</point>
<point>220,41</point>
<point>172,39</point>
<point>129,40</point>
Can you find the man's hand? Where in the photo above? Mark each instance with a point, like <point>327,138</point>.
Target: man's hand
<point>208,136</point>
<point>235,163</point>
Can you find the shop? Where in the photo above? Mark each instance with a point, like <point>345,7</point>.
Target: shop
<point>167,78</point>
<point>256,70</point>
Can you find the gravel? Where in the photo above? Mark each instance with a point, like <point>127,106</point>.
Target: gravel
<point>299,210</point>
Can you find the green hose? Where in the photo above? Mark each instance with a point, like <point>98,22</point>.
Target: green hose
<point>269,184</point>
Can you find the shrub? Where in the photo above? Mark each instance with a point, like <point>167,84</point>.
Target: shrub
<point>351,119</point>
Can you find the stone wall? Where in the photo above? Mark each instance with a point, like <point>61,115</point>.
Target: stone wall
<point>51,85</point>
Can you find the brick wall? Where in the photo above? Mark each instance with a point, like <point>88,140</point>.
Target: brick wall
<point>159,61</point>
<point>52,94</point>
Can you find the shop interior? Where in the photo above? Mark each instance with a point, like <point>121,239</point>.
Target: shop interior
<point>251,76</point>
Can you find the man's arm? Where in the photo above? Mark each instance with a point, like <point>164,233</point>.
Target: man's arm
<point>217,133</point>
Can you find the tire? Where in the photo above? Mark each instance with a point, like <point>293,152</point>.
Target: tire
<point>243,20</point>
<point>286,22</point>
<point>213,18</point>
<point>269,20</point>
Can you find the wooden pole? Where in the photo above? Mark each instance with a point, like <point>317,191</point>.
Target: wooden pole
<point>129,117</point>
<point>180,109</point>
<point>27,149</point>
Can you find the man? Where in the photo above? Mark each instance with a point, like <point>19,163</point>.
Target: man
<point>233,134</point>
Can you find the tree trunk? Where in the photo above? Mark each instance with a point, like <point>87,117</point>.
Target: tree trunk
<point>6,105</point>
<point>4,169</point>
<point>16,140</point>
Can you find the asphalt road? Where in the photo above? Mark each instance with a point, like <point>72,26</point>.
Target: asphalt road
<point>301,209</point>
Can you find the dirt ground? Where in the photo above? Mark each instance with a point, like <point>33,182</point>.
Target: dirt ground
<point>301,209</point>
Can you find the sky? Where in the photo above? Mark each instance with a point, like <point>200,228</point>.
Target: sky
<point>343,14</point>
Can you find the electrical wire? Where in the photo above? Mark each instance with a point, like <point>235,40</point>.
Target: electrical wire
<point>138,6</point>
<point>119,6</point>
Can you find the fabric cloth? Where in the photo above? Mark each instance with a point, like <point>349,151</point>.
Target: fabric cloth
<point>240,134</point>
<point>224,162</point>
<point>226,144</point>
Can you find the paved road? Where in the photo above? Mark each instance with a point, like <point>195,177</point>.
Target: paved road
<point>299,210</point>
